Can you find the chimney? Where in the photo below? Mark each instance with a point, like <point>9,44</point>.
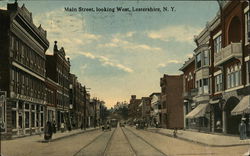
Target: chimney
<point>55,47</point>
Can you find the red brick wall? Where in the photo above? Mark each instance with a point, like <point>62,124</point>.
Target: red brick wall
<point>174,102</point>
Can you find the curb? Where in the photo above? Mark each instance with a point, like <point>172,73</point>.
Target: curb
<point>70,135</point>
<point>197,142</point>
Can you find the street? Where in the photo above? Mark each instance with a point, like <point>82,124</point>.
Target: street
<point>125,141</point>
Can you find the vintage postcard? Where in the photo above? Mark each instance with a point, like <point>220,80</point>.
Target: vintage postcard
<point>124,78</point>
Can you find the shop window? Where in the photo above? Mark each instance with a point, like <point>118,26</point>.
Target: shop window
<point>13,117</point>
<point>27,106</point>
<point>248,72</point>
<point>20,120</point>
<point>37,119</point>
<point>41,119</point>
<point>32,119</point>
<point>27,119</point>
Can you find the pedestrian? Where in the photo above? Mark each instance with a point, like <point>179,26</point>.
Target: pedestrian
<point>62,127</point>
<point>48,131</point>
<point>242,129</point>
<point>54,126</point>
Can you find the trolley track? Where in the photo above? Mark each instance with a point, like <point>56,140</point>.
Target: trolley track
<point>141,138</point>
<point>101,137</point>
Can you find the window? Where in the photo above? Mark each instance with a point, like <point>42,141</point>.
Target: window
<point>32,119</point>
<point>27,119</point>
<point>218,83</point>
<point>12,42</point>
<point>205,86</point>
<point>247,26</point>
<point>13,118</point>
<point>206,58</point>
<point>247,72</point>
<point>198,60</point>
<point>233,76</point>
<point>217,44</point>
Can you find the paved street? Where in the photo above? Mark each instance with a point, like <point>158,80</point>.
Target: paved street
<point>118,142</point>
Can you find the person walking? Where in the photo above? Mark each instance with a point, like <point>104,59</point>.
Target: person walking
<point>48,131</point>
<point>54,126</point>
<point>242,129</point>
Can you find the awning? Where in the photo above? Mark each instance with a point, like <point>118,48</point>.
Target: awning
<point>199,111</point>
<point>242,107</point>
<point>214,101</point>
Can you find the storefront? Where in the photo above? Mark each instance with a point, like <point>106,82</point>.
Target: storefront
<point>27,118</point>
<point>199,117</point>
<point>2,112</point>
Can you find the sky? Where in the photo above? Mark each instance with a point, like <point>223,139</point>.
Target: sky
<point>119,54</point>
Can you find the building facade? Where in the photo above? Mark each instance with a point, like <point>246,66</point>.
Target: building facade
<point>222,70</point>
<point>22,71</point>
<point>171,101</point>
<point>146,109</point>
<point>133,108</point>
<point>155,112</point>
<point>58,70</point>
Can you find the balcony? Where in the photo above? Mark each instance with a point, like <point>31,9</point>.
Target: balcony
<point>233,50</point>
<point>190,94</point>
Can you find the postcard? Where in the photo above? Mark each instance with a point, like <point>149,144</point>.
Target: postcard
<point>124,78</point>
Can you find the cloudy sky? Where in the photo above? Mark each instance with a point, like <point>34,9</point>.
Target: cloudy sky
<point>119,54</point>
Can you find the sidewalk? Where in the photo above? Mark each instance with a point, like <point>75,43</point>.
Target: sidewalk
<point>203,138</point>
<point>56,136</point>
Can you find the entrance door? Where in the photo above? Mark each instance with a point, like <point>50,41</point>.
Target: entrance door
<point>232,121</point>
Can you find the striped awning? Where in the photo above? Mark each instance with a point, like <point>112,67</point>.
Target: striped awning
<point>199,111</point>
<point>242,107</point>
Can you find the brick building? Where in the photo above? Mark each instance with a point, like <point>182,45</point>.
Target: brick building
<point>171,101</point>
<point>133,108</point>
<point>58,70</point>
<point>222,70</point>
<point>146,108</point>
<point>155,111</point>
<point>22,71</point>
<point>189,90</point>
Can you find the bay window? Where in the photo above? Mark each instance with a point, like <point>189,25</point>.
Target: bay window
<point>234,76</point>
<point>218,83</point>
<point>203,86</point>
<point>217,44</point>
<point>198,60</point>
<point>206,57</point>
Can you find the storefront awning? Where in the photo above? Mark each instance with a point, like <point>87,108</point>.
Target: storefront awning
<point>214,101</point>
<point>242,107</point>
<point>199,111</point>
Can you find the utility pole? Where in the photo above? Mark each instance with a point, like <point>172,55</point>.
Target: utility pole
<point>84,107</point>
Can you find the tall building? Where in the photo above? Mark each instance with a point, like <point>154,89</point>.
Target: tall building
<point>22,71</point>
<point>172,101</point>
<point>58,70</point>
